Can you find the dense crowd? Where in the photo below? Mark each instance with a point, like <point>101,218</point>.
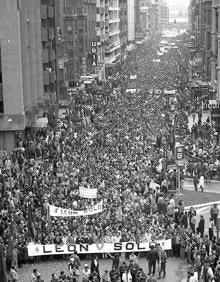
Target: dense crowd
<point>118,142</point>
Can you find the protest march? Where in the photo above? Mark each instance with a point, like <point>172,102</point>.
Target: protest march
<point>99,182</point>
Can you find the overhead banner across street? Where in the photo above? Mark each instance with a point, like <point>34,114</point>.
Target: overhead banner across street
<point>100,247</point>
<point>87,193</point>
<point>60,212</point>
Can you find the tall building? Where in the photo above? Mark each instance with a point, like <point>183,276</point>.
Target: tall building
<point>100,37</point>
<point>60,51</point>
<point>131,20</point>
<point>164,15</point>
<point>112,32</point>
<point>145,8</point>
<point>76,40</point>
<point>123,27</point>
<point>48,50</point>
<point>155,16</point>
<point>27,66</point>
<point>205,48</point>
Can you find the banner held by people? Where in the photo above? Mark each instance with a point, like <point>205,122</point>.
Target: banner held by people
<point>125,247</point>
<point>60,212</point>
<point>87,193</point>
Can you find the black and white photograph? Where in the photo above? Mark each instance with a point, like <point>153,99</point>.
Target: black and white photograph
<point>109,140</point>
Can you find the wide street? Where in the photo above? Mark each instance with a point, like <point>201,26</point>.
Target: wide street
<point>176,269</point>
<point>212,187</point>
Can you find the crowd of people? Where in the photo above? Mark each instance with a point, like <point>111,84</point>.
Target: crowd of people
<point>113,140</point>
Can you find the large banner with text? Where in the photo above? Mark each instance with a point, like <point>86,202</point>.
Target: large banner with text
<point>56,211</point>
<point>100,247</point>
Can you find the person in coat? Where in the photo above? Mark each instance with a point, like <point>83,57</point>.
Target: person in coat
<point>152,258</point>
<point>201,226</point>
<point>95,265</point>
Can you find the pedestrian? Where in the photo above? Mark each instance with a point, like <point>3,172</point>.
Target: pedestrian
<point>201,183</point>
<point>54,278</point>
<point>201,226</point>
<point>195,182</point>
<point>211,228</point>
<point>162,262</point>
<point>34,275</point>
<point>114,275</point>
<point>86,273</point>
<point>95,265</point>
<point>214,212</point>
<point>106,277</point>
<point>152,258</point>
<point>193,224</point>
<point>13,274</point>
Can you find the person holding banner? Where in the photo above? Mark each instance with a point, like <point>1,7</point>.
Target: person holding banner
<point>75,260</point>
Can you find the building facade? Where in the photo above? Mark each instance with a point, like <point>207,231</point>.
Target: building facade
<point>155,16</point>
<point>204,28</point>
<point>145,25</point>
<point>27,69</point>
<point>123,27</point>
<point>100,37</point>
<point>164,15</point>
<point>112,32</point>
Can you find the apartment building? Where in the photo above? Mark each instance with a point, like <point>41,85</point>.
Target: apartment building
<point>155,16</point>
<point>145,17</point>
<point>100,37</point>
<point>204,28</point>
<point>112,32</point>
<point>164,15</point>
<point>123,27</point>
<point>27,67</point>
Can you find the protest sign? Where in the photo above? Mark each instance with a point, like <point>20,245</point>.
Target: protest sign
<point>87,193</point>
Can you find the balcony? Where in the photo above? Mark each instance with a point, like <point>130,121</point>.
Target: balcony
<point>114,32</point>
<point>113,8</point>
<point>52,55</point>
<point>43,12</point>
<point>45,56</point>
<point>1,92</point>
<point>50,12</point>
<point>52,77</point>
<point>102,11</point>
<point>51,33</point>
<point>111,48</point>
<point>112,59</point>
<point>44,34</point>
<point>116,20</point>
<point>46,77</point>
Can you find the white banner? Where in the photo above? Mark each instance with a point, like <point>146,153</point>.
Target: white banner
<point>87,193</point>
<point>55,211</point>
<point>125,247</point>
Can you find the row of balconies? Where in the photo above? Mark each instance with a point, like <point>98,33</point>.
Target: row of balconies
<point>47,34</point>
<point>1,92</point>
<point>48,56</point>
<point>49,77</point>
<point>46,12</point>
<point>100,10</point>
